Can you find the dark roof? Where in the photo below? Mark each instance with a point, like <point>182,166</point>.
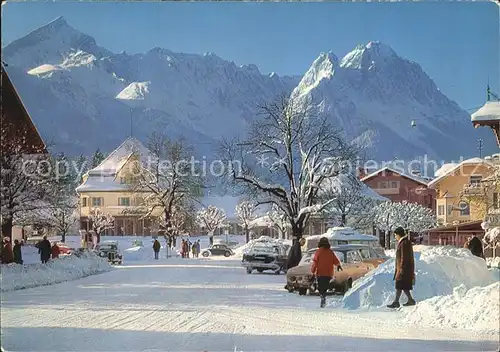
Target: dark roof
<point>465,226</point>
<point>19,134</point>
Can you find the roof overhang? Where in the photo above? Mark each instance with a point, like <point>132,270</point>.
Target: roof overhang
<point>384,169</point>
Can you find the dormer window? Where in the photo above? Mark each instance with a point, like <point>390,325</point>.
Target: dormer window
<point>475,180</point>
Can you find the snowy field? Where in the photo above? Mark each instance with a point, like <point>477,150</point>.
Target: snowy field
<point>211,304</point>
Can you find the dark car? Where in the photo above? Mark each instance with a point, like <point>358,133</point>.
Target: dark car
<point>265,256</point>
<point>217,249</point>
<point>109,250</point>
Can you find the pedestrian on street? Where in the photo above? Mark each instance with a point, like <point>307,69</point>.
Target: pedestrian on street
<point>55,250</point>
<point>7,255</point>
<point>323,267</point>
<point>404,273</point>
<point>44,249</point>
<point>193,249</point>
<point>475,246</point>
<point>156,248</point>
<point>183,243</point>
<point>198,248</point>
<point>18,256</point>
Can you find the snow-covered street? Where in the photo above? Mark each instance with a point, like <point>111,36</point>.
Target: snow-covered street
<point>204,305</point>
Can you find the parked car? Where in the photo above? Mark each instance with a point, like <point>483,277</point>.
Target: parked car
<point>217,249</point>
<point>109,249</point>
<point>263,256</point>
<point>356,259</point>
<point>64,249</point>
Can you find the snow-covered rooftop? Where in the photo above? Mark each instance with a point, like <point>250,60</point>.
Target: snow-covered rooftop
<point>450,170</point>
<point>444,169</point>
<point>103,176</point>
<point>336,183</point>
<point>489,111</point>
<point>115,161</point>
<point>413,177</point>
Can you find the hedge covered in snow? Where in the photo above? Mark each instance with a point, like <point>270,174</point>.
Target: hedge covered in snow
<point>72,267</point>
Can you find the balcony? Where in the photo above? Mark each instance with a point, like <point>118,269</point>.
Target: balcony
<point>473,189</point>
<point>386,191</point>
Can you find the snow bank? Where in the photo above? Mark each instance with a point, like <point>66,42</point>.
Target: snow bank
<point>438,271</point>
<point>71,267</point>
<point>477,308</point>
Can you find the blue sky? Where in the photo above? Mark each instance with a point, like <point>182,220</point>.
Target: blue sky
<point>457,44</point>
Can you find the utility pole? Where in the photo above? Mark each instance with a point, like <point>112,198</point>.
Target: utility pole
<point>131,123</point>
<point>480,147</point>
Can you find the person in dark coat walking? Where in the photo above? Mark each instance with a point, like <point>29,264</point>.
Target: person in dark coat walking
<point>18,255</point>
<point>322,267</point>
<point>44,249</point>
<point>404,273</point>
<point>476,247</point>
<point>7,256</point>
<point>156,248</point>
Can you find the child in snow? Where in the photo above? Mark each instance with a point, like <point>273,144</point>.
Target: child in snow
<point>404,273</point>
<point>322,267</point>
<point>55,251</point>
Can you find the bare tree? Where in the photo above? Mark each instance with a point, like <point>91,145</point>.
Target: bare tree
<point>166,182</point>
<point>211,218</point>
<point>100,222</point>
<point>245,212</point>
<point>279,220</point>
<point>352,201</point>
<point>295,151</point>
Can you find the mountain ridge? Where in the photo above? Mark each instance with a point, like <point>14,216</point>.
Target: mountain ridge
<point>371,92</point>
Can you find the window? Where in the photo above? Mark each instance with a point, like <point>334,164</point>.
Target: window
<point>496,201</point>
<point>97,202</point>
<point>441,210</point>
<point>464,208</point>
<point>124,201</point>
<point>394,184</point>
<point>475,180</point>
<point>353,257</point>
<point>365,253</point>
<point>450,209</point>
<point>382,184</point>
<point>84,202</point>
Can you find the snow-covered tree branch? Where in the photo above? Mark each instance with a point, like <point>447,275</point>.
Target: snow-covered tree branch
<point>293,151</point>
<point>166,181</point>
<point>410,216</point>
<point>279,220</point>
<point>210,219</point>
<point>352,201</point>
<point>245,212</point>
<point>100,222</point>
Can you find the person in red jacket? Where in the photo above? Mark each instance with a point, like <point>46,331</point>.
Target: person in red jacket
<point>322,267</point>
<point>55,251</point>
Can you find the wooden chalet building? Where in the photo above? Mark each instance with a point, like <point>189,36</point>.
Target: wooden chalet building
<point>18,133</point>
<point>399,186</point>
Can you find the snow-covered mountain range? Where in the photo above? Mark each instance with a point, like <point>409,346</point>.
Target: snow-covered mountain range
<point>82,96</point>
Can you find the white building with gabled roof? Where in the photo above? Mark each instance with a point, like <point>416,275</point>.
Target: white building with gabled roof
<point>107,187</point>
